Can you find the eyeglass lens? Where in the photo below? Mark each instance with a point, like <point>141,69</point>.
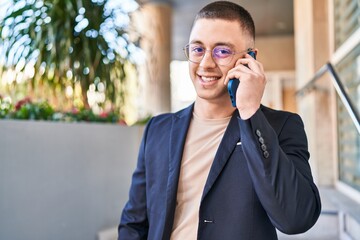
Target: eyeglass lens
<point>222,55</point>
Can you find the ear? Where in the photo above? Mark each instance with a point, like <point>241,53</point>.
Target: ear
<point>256,51</point>
<point>252,52</point>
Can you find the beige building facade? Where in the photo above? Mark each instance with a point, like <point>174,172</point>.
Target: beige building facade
<point>328,31</point>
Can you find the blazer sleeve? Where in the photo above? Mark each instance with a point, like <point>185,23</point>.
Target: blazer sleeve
<point>134,221</point>
<point>279,168</point>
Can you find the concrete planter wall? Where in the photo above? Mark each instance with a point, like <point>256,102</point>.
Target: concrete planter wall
<point>63,180</point>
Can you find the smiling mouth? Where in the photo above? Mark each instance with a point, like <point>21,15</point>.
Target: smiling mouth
<point>208,79</point>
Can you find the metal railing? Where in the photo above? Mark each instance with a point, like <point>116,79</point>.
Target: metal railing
<point>340,89</point>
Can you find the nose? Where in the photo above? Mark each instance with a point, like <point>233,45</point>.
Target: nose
<point>208,61</point>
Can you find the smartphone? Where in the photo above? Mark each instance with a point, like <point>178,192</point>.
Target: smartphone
<point>234,83</point>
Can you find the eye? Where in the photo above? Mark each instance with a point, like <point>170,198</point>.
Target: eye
<point>196,50</point>
<point>222,52</point>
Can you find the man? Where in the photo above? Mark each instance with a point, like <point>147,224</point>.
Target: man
<point>215,172</point>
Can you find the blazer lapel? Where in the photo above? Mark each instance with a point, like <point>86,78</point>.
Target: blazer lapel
<point>228,143</point>
<point>179,128</point>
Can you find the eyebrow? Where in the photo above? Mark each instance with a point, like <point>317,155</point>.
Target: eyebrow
<point>216,44</point>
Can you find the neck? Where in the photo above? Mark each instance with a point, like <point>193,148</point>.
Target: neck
<point>210,110</point>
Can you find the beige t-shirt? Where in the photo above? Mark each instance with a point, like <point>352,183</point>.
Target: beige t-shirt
<point>201,144</point>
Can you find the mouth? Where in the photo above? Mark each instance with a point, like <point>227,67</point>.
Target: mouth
<point>208,79</point>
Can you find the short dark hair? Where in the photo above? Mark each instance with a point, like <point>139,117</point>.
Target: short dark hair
<point>228,11</point>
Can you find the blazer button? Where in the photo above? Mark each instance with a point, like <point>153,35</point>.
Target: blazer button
<point>258,133</point>
<point>263,147</point>
<point>261,140</point>
<point>266,154</point>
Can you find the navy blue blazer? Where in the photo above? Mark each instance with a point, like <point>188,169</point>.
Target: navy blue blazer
<point>259,180</point>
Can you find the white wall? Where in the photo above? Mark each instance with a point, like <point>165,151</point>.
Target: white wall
<point>63,180</point>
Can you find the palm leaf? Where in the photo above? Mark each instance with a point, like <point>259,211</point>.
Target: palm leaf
<point>67,43</point>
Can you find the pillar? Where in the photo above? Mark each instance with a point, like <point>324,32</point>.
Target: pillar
<point>154,26</point>
<point>312,50</point>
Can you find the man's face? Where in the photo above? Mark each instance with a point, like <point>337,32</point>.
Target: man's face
<point>207,75</point>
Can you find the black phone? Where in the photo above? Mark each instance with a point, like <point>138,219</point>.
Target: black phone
<point>234,83</point>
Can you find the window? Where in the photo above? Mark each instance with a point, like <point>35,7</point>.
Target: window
<point>348,136</point>
<point>347,19</point>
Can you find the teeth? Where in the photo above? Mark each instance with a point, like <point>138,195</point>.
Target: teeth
<point>208,79</point>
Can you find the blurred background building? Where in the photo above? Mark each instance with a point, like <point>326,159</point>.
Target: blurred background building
<point>305,46</point>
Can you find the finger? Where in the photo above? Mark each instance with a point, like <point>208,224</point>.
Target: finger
<point>236,72</point>
<point>239,70</point>
<point>250,62</point>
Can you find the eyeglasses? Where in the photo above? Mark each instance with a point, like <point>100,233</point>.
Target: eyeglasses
<point>222,55</point>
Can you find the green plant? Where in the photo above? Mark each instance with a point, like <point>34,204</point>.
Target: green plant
<point>26,109</point>
<point>5,107</point>
<point>87,115</point>
<point>42,110</point>
<point>59,46</point>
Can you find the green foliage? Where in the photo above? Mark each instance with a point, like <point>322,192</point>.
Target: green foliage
<point>25,109</point>
<point>87,115</point>
<point>5,107</point>
<point>42,110</point>
<point>61,44</point>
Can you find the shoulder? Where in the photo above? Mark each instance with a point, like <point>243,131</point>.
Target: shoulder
<point>279,118</point>
<point>165,119</point>
<point>273,114</point>
<point>270,112</point>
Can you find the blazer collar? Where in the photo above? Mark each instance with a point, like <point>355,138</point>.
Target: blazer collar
<point>227,145</point>
<point>179,127</point>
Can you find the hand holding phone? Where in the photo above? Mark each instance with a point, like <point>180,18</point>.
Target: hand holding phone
<point>234,83</point>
